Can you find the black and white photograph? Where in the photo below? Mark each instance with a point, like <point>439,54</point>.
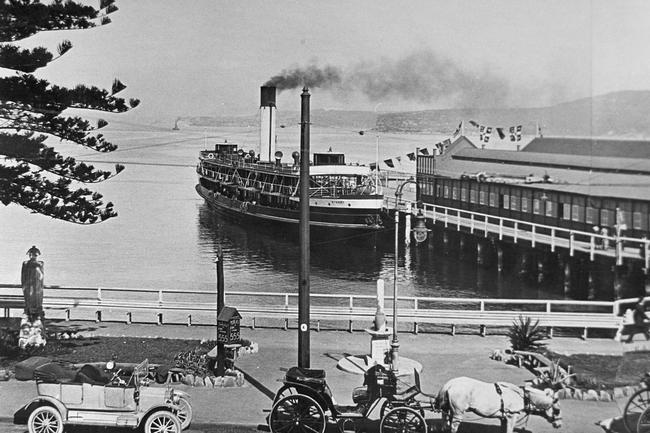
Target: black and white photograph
<point>366,216</point>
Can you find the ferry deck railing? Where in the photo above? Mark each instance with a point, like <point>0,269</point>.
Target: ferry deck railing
<point>592,243</point>
<point>198,307</point>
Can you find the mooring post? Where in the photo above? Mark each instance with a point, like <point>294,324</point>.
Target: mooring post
<point>618,281</point>
<point>591,294</point>
<point>540,268</point>
<point>445,242</point>
<point>567,278</point>
<point>499,257</point>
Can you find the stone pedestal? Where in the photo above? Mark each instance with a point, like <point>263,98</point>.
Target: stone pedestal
<point>379,344</point>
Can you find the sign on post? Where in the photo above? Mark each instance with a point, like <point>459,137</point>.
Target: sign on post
<point>228,323</point>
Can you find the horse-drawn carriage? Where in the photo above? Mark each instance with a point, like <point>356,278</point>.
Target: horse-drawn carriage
<point>304,404</point>
<point>636,415</point>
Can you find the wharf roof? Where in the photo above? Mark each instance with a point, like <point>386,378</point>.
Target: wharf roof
<point>606,177</point>
<point>597,147</point>
<point>553,160</point>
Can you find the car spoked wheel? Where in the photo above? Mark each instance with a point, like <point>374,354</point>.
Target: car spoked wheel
<point>162,422</point>
<point>184,413</point>
<point>45,419</point>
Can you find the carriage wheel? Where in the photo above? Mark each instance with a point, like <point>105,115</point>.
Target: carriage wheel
<point>643,426</point>
<point>635,406</point>
<point>285,391</point>
<point>297,414</point>
<point>403,420</point>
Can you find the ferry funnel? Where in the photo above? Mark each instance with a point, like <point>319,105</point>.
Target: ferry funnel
<point>267,123</point>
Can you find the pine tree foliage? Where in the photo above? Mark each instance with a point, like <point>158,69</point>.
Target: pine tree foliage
<point>32,173</point>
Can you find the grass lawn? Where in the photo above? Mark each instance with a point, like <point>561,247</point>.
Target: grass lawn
<point>101,349</point>
<point>606,371</point>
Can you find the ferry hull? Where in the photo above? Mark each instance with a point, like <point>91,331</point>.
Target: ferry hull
<point>320,218</point>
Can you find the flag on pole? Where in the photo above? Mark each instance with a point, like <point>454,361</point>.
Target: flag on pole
<point>389,162</point>
<point>539,132</point>
<point>373,166</point>
<point>502,134</point>
<point>411,156</point>
<point>471,122</point>
<point>424,151</point>
<point>457,131</point>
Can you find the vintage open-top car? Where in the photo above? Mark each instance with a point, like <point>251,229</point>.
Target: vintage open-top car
<point>92,397</point>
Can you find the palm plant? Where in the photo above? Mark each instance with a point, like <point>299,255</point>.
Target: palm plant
<point>524,334</point>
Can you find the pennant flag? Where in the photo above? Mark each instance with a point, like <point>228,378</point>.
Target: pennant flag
<point>373,166</point>
<point>424,151</point>
<point>471,122</point>
<point>502,134</point>
<point>411,156</point>
<point>398,158</point>
<point>457,131</point>
<point>488,133</point>
<point>513,135</point>
<point>481,130</point>
<point>518,132</point>
<point>389,162</point>
<point>447,142</point>
<point>438,148</point>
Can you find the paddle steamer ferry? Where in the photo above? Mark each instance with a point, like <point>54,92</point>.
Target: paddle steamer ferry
<point>261,187</point>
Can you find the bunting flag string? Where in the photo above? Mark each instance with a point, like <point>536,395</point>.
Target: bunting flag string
<point>471,122</point>
<point>411,156</point>
<point>502,134</point>
<point>389,162</point>
<point>488,133</point>
<point>515,133</point>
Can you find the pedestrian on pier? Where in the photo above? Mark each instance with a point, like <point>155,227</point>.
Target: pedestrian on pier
<point>641,321</point>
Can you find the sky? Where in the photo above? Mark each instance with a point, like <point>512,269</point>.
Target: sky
<point>209,57</point>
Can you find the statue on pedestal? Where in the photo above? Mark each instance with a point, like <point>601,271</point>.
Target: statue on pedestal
<point>31,325</point>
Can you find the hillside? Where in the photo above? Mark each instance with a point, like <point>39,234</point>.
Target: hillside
<point>620,114</point>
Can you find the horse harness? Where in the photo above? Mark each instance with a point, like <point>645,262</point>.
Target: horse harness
<point>528,407</point>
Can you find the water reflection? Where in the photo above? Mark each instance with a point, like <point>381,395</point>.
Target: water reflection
<point>267,257</point>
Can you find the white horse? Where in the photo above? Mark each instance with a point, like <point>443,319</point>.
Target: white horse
<point>495,400</point>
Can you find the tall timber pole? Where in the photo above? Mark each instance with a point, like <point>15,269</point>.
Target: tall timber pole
<point>303,276</point>
<point>221,302</point>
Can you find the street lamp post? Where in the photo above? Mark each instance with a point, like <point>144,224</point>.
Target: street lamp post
<point>421,233</point>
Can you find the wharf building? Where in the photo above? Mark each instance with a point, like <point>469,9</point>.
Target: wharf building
<point>575,209</point>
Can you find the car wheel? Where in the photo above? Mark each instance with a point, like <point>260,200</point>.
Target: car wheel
<point>184,413</point>
<point>45,419</point>
<point>162,422</point>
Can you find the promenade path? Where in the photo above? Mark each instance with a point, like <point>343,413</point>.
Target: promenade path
<point>442,356</point>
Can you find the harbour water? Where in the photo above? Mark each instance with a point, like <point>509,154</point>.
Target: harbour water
<point>166,237</point>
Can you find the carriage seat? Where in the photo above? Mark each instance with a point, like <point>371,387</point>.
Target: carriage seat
<point>305,375</point>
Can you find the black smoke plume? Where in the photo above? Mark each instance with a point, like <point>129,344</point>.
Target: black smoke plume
<point>422,77</point>
<point>311,76</point>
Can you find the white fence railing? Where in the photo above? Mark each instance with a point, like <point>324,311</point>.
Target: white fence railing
<point>478,223</point>
<point>199,307</point>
